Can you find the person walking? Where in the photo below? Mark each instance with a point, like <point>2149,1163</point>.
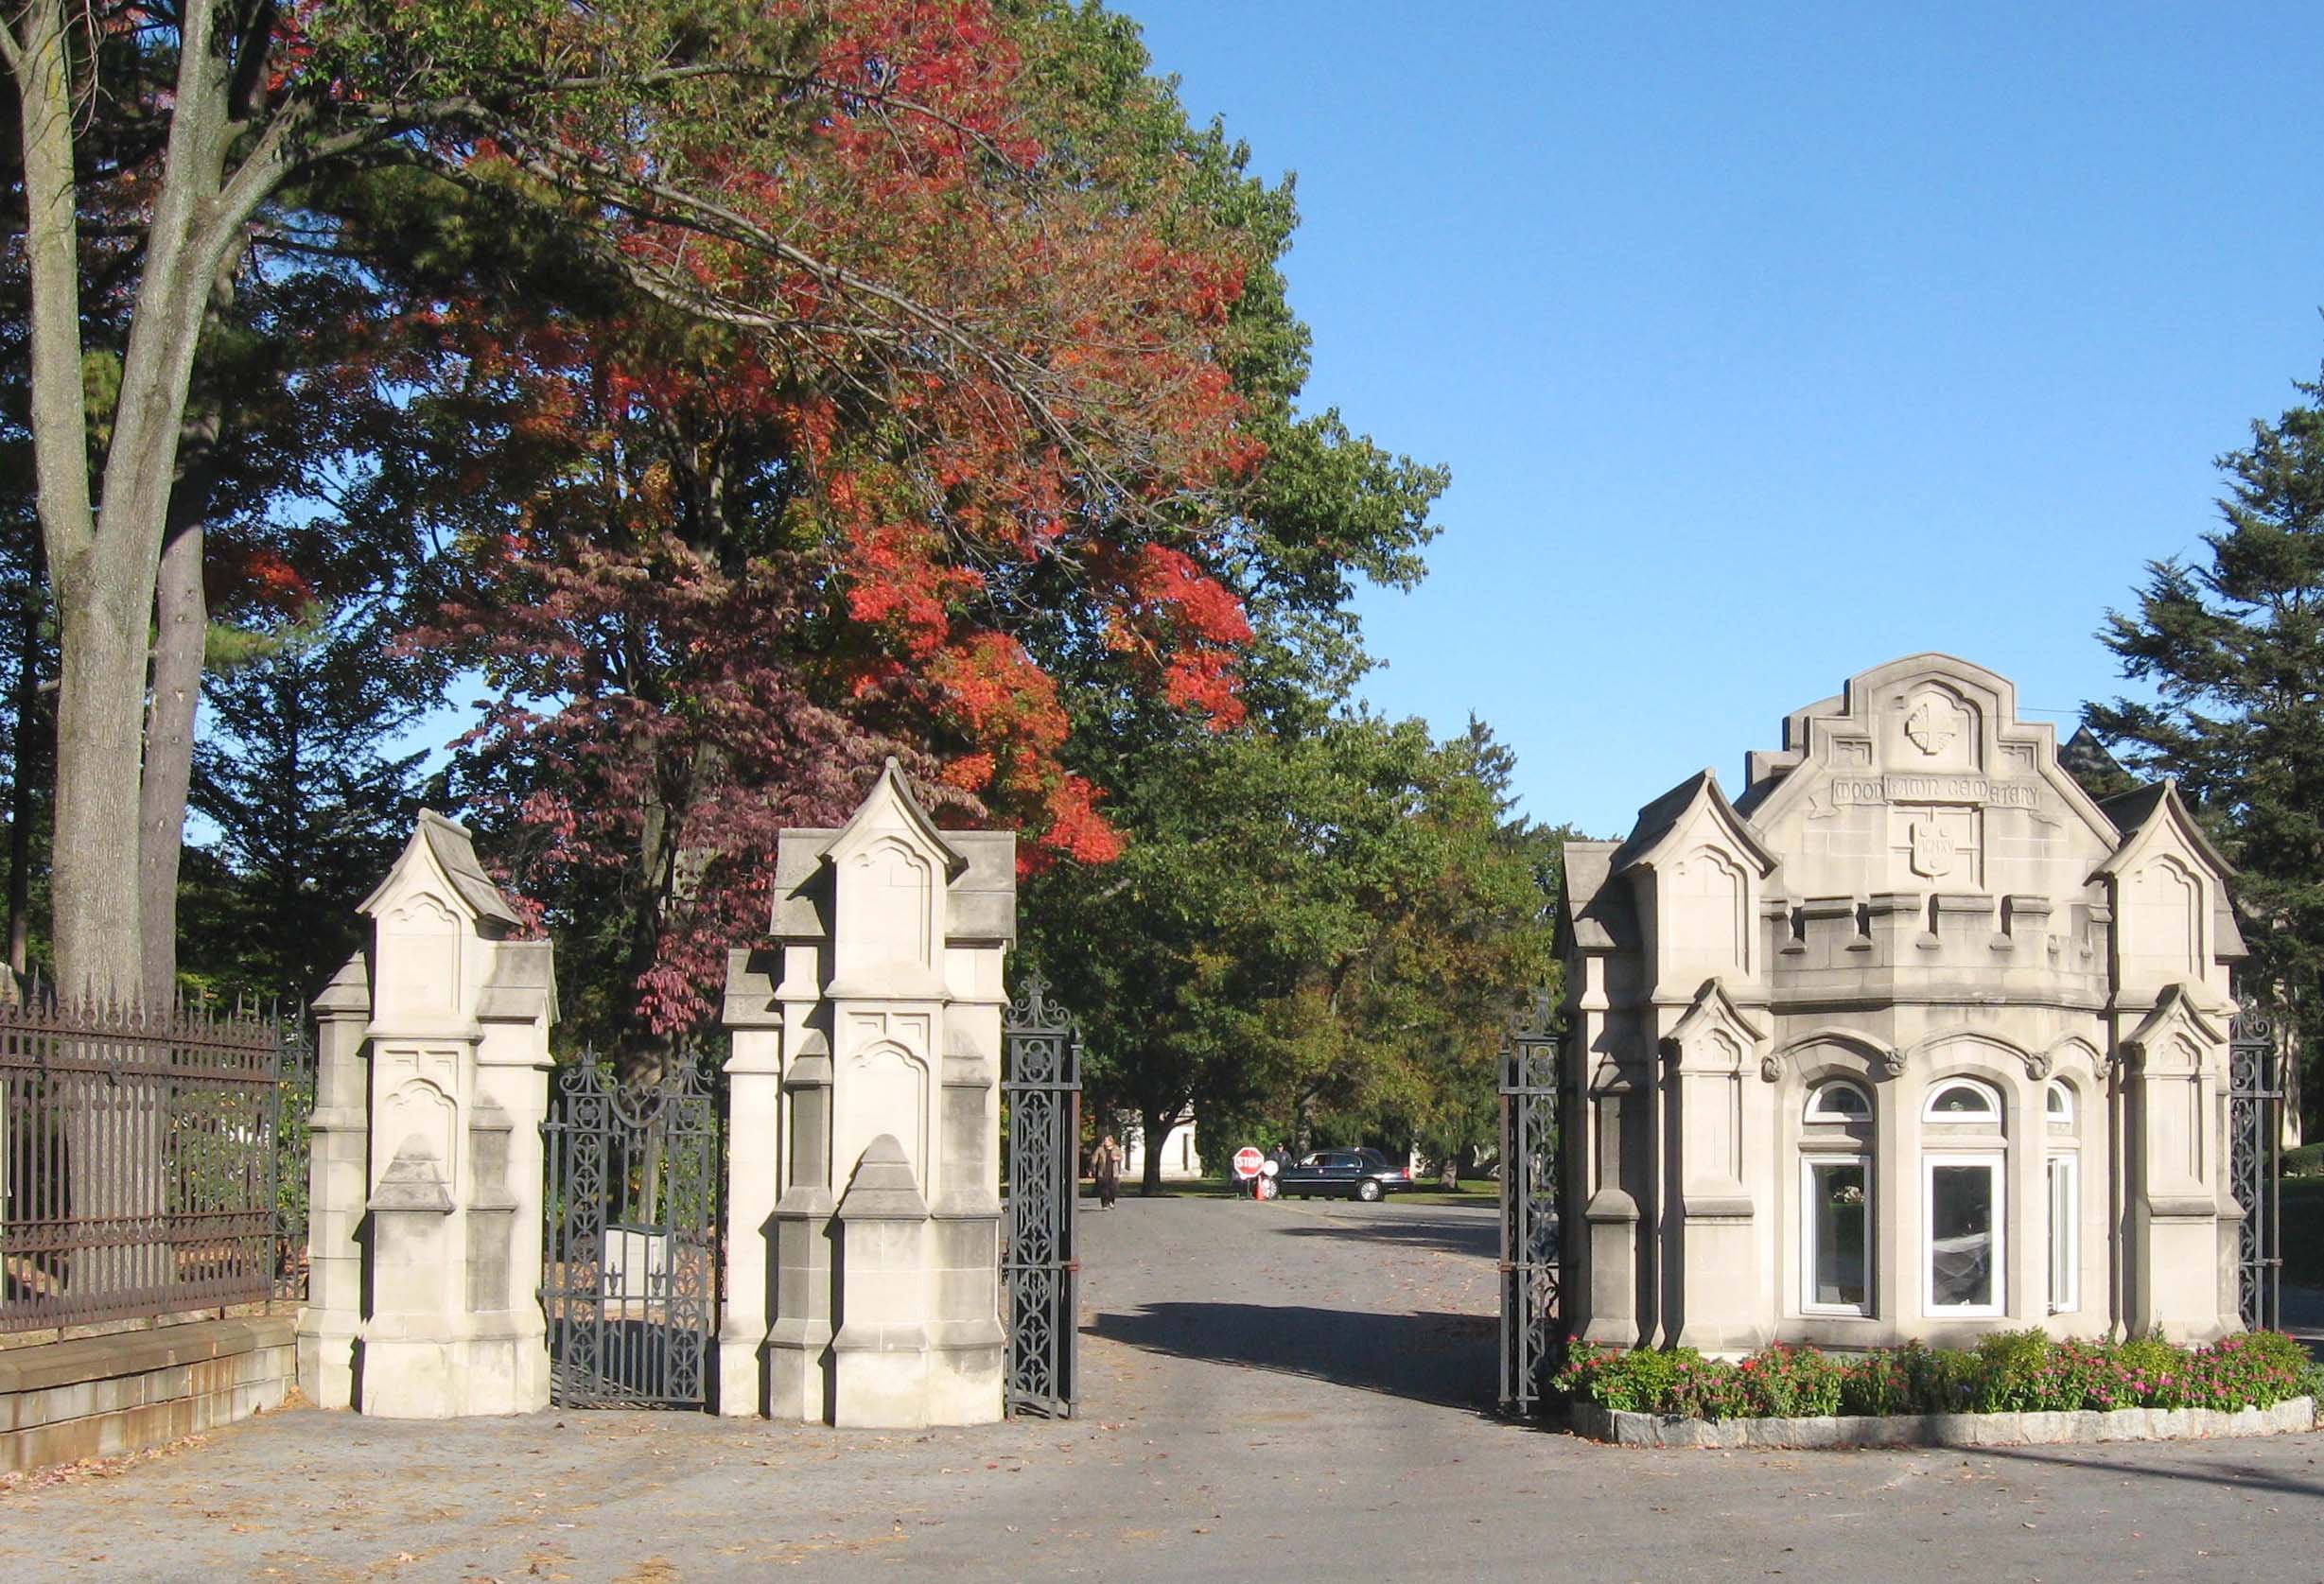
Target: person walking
<point>1107,1168</point>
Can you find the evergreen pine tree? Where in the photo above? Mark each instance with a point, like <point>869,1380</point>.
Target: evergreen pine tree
<point>309,806</point>
<point>2233,651</point>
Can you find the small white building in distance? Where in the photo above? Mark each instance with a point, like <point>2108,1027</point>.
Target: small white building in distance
<point>1178,1160</point>
<point>1910,1039</point>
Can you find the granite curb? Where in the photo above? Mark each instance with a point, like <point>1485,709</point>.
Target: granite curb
<point>1619,1428</point>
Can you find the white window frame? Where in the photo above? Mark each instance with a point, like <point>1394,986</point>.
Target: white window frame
<point>2066,1240</point>
<point>1815,1111</point>
<point>1996,1163</point>
<point>1963,1118</point>
<point>2059,1091</point>
<point>1809,1161</point>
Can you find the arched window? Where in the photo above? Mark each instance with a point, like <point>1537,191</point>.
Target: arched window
<point>1963,1100</point>
<point>1835,1233</point>
<point>2057,1102</point>
<point>1838,1101</point>
<point>2062,1178</point>
<point>1963,1201</point>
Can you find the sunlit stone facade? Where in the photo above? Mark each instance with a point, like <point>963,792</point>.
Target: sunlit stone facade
<point>1910,1039</point>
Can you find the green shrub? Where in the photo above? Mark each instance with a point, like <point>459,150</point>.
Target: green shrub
<point>1638,1381</point>
<point>2253,1371</point>
<point>2156,1373</point>
<point>2311,1383</point>
<point>1877,1384</point>
<point>1790,1383</point>
<point>1710,1389</point>
<point>2021,1371</point>
<point>1941,1381</point>
<point>2012,1368</point>
<point>2305,1161</point>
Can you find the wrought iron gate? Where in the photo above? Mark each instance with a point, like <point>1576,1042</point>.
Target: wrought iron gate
<point>631,1268</point>
<point>2255,1141</point>
<point>1039,1267</point>
<point>1530,1229</point>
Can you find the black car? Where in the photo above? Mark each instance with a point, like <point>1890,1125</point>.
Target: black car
<point>1355,1173</point>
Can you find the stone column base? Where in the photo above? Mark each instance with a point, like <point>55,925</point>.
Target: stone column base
<point>441,1378</point>
<point>326,1357</point>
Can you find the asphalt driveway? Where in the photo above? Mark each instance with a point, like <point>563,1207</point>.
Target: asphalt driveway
<point>1286,1390</point>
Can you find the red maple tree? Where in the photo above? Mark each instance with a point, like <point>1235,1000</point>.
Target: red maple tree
<point>781,511</point>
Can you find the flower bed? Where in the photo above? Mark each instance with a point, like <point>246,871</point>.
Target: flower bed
<point>2012,1373</point>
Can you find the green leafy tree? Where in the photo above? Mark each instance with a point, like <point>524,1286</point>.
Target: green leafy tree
<point>2232,649</point>
<point>1318,927</point>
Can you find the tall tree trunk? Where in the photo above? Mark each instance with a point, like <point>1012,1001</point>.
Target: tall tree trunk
<point>183,621</point>
<point>35,755</point>
<point>103,567</point>
<point>100,716</point>
<point>1155,1129</point>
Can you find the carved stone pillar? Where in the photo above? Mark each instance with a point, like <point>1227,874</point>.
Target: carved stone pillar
<point>887,1011</point>
<point>338,1185</point>
<point>457,1045</point>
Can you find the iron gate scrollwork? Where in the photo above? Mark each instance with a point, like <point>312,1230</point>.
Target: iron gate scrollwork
<point>2255,1139</point>
<point>1039,1267</point>
<point>630,1272</point>
<point>1529,1228</point>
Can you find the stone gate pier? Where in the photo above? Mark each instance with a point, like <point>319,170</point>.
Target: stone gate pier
<point>863,1206</point>
<point>425,1182</point>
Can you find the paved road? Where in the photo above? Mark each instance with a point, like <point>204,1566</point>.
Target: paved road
<point>1277,1391</point>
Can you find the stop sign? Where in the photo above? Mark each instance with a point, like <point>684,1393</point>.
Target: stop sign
<point>1246,1161</point>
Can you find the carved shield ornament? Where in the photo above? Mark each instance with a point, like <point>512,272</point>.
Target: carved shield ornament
<point>1934,850</point>
<point>1931,726</point>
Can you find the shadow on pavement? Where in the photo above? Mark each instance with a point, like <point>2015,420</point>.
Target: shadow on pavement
<point>1442,1358</point>
<point>1477,1236</point>
<point>2240,1476</point>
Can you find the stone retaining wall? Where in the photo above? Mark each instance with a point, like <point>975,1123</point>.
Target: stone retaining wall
<point>1943,1429</point>
<point>102,1396</point>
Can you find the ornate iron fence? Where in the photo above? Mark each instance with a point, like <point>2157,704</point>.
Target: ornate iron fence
<point>1038,1268</point>
<point>138,1151</point>
<point>294,1110</point>
<point>2255,1141</point>
<point>632,1264</point>
<point>1530,1229</point>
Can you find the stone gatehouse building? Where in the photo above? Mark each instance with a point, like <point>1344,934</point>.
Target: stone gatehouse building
<point>1910,1040</point>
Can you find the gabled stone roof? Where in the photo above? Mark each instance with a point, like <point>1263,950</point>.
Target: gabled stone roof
<point>454,851</point>
<point>1660,817</point>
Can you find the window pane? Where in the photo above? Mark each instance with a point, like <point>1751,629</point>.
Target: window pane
<point>1837,1274</point>
<point>1839,1100</point>
<point>2063,1250</point>
<point>1962,1100</point>
<point>1960,1247</point>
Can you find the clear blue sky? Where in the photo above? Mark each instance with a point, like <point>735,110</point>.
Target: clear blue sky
<point>1769,342</point>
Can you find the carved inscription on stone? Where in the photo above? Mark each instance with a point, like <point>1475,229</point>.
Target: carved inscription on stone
<point>1939,843</point>
<point>1935,789</point>
<point>1932,849</point>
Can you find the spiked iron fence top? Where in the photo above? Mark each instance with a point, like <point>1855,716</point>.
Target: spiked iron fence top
<point>138,1148</point>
